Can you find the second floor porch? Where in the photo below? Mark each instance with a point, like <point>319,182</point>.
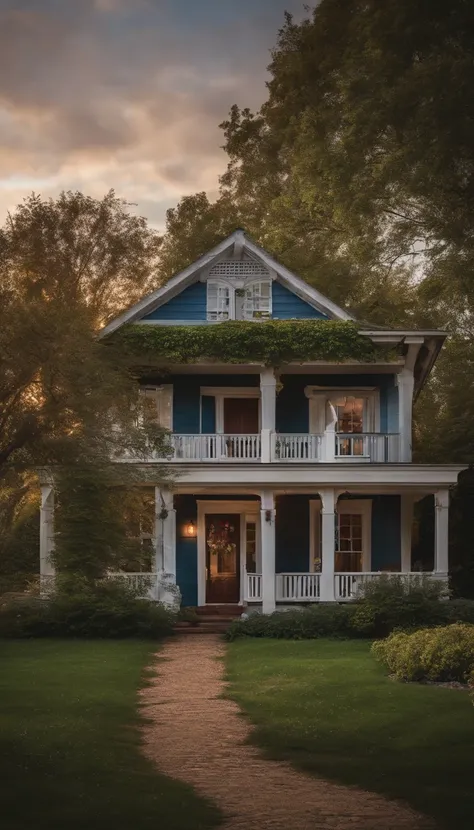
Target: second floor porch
<point>283,448</point>
<point>323,416</point>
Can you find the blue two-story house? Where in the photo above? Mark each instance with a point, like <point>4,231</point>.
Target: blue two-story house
<point>295,482</point>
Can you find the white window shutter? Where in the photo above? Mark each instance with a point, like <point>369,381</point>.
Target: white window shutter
<point>218,300</point>
<point>258,300</point>
<point>162,397</point>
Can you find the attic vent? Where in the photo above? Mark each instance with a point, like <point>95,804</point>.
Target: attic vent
<point>238,269</point>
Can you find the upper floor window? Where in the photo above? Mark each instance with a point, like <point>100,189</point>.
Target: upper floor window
<point>228,302</point>
<point>159,404</point>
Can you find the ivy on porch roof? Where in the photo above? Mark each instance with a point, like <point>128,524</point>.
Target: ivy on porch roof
<point>271,342</point>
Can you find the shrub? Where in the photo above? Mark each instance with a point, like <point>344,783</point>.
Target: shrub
<point>304,624</point>
<point>104,610</point>
<point>389,603</point>
<point>437,654</point>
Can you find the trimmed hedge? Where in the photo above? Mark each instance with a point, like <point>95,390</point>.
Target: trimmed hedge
<point>304,624</point>
<point>388,605</point>
<point>437,654</point>
<point>107,610</point>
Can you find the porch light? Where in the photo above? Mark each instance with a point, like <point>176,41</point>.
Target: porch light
<point>190,528</point>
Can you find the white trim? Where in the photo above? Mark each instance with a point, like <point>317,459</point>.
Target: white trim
<point>190,274</point>
<point>344,506</point>
<point>255,476</point>
<point>204,506</point>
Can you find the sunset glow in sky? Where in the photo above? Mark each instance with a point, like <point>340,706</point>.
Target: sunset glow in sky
<point>126,94</point>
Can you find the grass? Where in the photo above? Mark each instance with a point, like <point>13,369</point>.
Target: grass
<point>328,707</point>
<point>69,742</point>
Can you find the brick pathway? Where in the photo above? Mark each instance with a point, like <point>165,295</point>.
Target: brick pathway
<point>199,737</point>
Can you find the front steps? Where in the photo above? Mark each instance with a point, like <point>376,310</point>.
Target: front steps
<point>213,619</point>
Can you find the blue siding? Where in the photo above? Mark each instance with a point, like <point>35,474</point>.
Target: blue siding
<point>292,534</point>
<point>208,410</point>
<point>287,306</point>
<point>386,541</point>
<point>190,305</point>
<point>292,405</point>
<point>186,550</point>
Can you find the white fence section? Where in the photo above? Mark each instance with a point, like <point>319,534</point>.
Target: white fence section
<point>376,447</point>
<point>299,587</point>
<point>215,447</point>
<point>253,587</point>
<point>302,447</point>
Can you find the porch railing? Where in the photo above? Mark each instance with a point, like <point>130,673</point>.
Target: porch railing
<point>296,447</point>
<point>253,587</point>
<point>214,447</point>
<point>306,587</point>
<point>376,447</point>
<point>302,587</point>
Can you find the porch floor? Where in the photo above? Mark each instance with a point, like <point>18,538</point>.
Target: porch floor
<point>196,735</point>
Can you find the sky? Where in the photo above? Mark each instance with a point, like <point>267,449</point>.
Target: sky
<point>127,94</point>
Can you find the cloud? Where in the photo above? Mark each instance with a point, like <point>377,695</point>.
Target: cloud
<point>126,93</point>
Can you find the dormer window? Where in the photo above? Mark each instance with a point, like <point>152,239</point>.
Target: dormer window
<point>252,301</point>
<point>218,300</point>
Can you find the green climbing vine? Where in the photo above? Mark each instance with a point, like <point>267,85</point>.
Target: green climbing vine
<point>272,342</point>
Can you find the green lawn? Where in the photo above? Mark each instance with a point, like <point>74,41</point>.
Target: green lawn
<point>69,742</point>
<point>328,707</point>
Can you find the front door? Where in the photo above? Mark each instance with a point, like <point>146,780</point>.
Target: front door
<point>222,557</point>
<point>240,416</point>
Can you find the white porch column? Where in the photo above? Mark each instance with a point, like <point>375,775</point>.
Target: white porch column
<point>46,531</point>
<point>267,528</point>
<point>441,557</point>
<point>268,411</point>
<point>405,412</point>
<point>328,543</point>
<point>405,382</point>
<point>166,535</point>
<point>406,524</point>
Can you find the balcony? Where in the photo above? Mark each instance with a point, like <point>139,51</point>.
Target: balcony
<point>286,448</point>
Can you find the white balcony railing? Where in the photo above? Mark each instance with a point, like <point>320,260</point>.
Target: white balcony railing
<point>302,587</point>
<point>375,447</point>
<point>215,447</point>
<point>296,447</point>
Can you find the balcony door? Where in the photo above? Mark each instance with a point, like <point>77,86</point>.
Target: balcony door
<point>241,416</point>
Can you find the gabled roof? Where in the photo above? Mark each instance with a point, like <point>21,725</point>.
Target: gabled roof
<point>241,243</point>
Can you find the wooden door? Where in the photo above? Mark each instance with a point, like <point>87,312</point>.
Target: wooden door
<point>222,557</point>
<point>241,416</point>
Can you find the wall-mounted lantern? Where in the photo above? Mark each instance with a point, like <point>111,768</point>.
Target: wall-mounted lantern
<point>190,529</point>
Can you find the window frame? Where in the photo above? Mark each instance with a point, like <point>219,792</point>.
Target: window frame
<point>345,506</point>
<point>159,394</point>
<point>238,286</point>
<point>320,395</point>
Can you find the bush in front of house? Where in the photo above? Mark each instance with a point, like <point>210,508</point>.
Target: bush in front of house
<point>107,609</point>
<point>438,654</point>
<point>390,603</point>
<point>299,624</point>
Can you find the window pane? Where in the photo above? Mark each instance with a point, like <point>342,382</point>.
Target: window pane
<point>350,412</point>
